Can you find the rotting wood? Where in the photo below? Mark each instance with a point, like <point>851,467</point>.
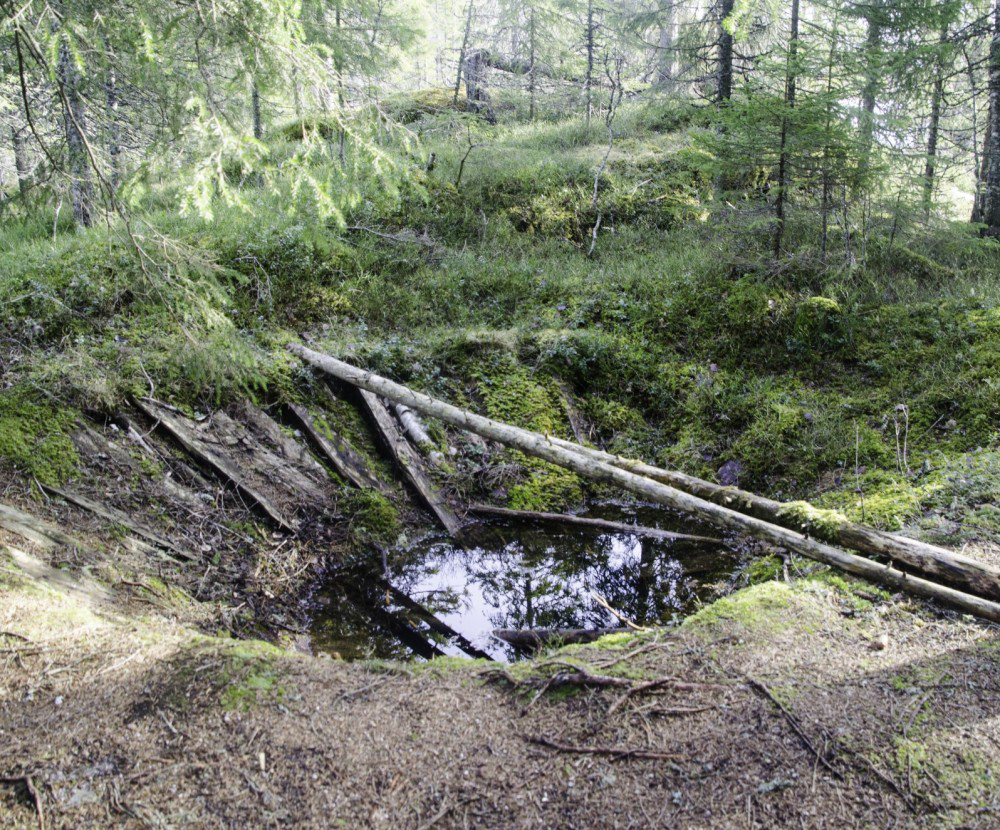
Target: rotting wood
<point>598,524</point>
<point>117,517</point>
<point>35,530</point>
<point>949,566</point>
<point>346,460</point>
<point>406,457</point>
<point>289,449</point>
<point>211,459</point>
<point>533,639</point>
<point>726,519</point>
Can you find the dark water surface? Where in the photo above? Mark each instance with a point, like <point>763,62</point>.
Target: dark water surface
<point>514,575</point>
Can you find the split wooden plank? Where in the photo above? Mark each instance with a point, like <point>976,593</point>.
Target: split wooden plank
<point>195,447</point>
<point>38,531</point>
<point>117,517</point>
<point>598,524</point>
<point>408,460</point>
<point>346,460</point>
<point>542,446</point>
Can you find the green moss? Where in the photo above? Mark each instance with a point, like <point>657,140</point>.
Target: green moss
<point>35,435</point>
<point>371,516</point>
<point>764,569</point>
<point>758,607</point>
<point>886,500</point>
<point>813,521</point>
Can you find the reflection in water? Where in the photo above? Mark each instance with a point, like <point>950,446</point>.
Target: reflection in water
<point>511,576</point>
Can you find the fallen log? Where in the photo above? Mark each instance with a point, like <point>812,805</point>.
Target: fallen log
<point>406,457</point>
<point>543,447</point>
<point>961,571</point>
<point>335,449</point>
<point>598,524</point>
<point>38,531</point>
<point>532,639</point>
<point>418,434</point>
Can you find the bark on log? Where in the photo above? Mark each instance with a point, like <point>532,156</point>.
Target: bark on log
<point>599,524</point>
<point>342,456</point>
<point>961,571</point>
<point>532,639</point>
<point>408,460</point>
<point>418,434</point>
<point>724,518</point>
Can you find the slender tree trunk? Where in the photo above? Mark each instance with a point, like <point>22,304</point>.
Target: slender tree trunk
<point>111,101</point>
<point>790,81</point>
<point>75,125</point>
<point>827,173</point>
<point>869,93</point>
<point>665,48</point>
<point>937,98</point>
<point>21,160</point>
<point>724,89</point>
<point>588,82</point>
<point>258,129</point>
<point>991,151</point>
<point>531,64</point>
<point>462,51</point>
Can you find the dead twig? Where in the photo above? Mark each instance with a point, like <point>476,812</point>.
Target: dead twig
<point>619,752</point>
<point>32,791</point>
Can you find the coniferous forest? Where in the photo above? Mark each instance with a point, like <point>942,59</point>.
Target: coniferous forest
<point>500,413</point>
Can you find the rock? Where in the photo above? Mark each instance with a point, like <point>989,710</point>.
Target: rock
<point>729,473</point>
<point>879,643</point>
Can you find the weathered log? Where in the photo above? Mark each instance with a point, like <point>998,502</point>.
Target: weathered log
<point>117,517</point>
<point>418,434</point>
<point>532,639</point>
<point>599,524</point>
<point>543,447</point>
<point>346,460</point>
<point>194,447</point>
<point>954,568</point>
<point>406,457</point>
<point>40,532</point>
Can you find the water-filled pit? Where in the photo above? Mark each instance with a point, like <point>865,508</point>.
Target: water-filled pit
<point>515,575</point>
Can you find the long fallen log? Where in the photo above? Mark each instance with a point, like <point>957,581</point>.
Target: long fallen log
<point>961,571</point>
<point>408,460</point>
<point>543,447</point>
<point>598,524</point>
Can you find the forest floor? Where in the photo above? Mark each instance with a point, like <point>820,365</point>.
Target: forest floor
<point>136,688</point>
<point>809,704</point>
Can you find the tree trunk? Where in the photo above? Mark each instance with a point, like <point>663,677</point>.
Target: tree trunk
<point>21,160</point>
<point>724,89</point>
<point>531,65</point>
<point>873,43</point>
<point>588,82</point>
<point>665,48</point>
<point>462,50</point>
<point>258,129</point>
<point>937,98</point>
<point>587,465</point>
<point>790,80</point>
<point>75,126</point>
<point>113,133</point>
<point>991,150</point>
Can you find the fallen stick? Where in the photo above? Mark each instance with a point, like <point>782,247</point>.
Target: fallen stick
<point>599,524</point>
<point>408,460</point>
<point>543,447</point>
<point>962,571</point>
<point>418,434</point>
<point>335,449</point>
<point>535,638</point>
<point>612,751</point>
